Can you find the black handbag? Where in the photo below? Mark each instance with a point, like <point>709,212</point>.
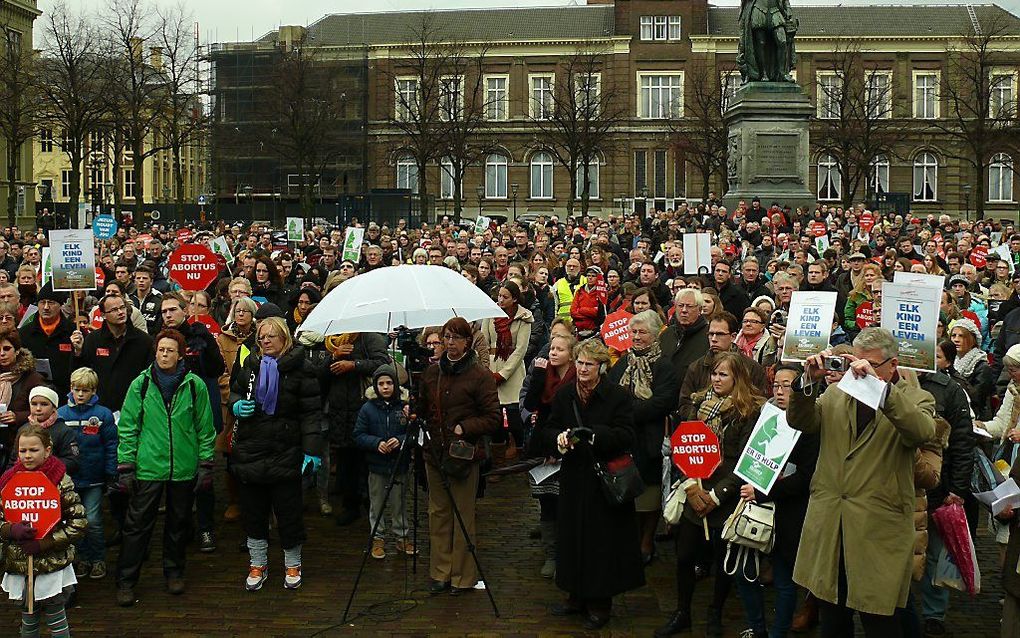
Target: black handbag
<point>620,479</point>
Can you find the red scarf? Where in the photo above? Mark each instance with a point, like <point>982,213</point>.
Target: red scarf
<point>52,467</point>
<point>504,339</point>
<point>553,383</point>
<point>584,391</point>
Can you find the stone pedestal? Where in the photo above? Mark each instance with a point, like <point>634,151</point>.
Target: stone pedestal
<point>768,148</point>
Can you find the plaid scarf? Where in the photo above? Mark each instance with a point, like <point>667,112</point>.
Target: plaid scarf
<point>710,410</point>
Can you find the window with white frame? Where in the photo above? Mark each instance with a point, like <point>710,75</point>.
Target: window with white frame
<point>65,183</point>
<point>497,102</point>
<point>661,95</point>
<point>880,175</point>
<point>541,175</point>
<point>451,97</point>
<point>830,95</point>
<point>407,173</point>
<point>926,102</point>
<point>1000,95</point>
<point>446,179</point>
<point>406,100</point>
<point>586,94</point>
<point>829,179</point>
<point>660,28</point>
<point>926,176</point>
<point>1000,178</point>
<point>879,94</point>
<point>495,176</point>
<point>593,180</point>
<point>730,82</point>
<point>129,183</point>
<point>542,96</point>
<point>46,140</point>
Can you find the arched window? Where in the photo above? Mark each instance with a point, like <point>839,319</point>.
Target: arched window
<point>926,177</point>
<point>541,176</point>
<point>446,181</point>
<point>407,173</point>
<point>880,175</point>
<point>593,180</point>
<point>1000,178</point>
<point>495,176</point>
<point>829,180</point>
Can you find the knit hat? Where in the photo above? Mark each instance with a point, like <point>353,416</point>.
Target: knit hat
<point>970,327</point>
<point>770,300</point>
<point>959,279</point>
<point>385,370</point>
<point>593,269</point>
<point>46,392</point>
<point>267,310</point>
<point>48,293</point>
<point>1012,357</point>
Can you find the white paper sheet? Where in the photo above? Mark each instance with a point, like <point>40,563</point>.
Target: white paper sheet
<point>868,390</point>
<point>542,472</point>
<point>1005,496</point>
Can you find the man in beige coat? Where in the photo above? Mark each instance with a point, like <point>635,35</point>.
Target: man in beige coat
<point>856,548</point>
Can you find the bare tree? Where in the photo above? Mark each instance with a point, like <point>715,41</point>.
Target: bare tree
<point>306,104</point>
<point>574,125</point>
<point>700,136</point>
<point>74,89</point>
<point>21,112</point>
<point>981,102</point>
<point>183,120</point>
<point>854,117</point>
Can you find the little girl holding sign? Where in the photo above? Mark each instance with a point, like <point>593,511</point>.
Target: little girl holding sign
<point>52,554</point>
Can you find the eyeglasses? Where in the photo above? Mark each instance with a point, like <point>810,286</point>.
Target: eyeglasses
<point>110,311</point>
<point>267,337</point>
<point>449,337</point>
<point>717,335</point>
<point>876,366</point>
<point>781,386</point>
<point>753,321</point>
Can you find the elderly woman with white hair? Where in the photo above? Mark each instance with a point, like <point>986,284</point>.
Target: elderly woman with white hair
<point>971,365</point>
<point>654,388</point>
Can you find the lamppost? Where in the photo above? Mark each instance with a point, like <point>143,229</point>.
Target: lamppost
<point>480,191</point>
<point>513,189</point>
<point>251,202</point>
<point>166,194</point>
<point>108,195</point>
<point>966,199</point>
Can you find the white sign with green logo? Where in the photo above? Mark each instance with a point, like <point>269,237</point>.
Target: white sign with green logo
<point>220,247</point>
<point>352,244</point>
<point>295,228</point>
<point>809,325</point>
<point>911,313</point>
<point>482,224</point>
<point>767,450</point>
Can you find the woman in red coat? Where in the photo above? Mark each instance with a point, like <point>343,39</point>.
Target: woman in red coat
<point>588,310</point>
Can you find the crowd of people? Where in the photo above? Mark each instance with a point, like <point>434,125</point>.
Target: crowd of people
<point>139,395</point>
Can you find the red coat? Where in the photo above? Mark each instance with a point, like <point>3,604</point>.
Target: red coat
<point>585,310</point>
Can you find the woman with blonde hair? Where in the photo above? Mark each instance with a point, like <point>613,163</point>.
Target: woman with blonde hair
<point>860,294</point>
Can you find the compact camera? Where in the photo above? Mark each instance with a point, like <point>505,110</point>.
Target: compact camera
<point>835,364</point>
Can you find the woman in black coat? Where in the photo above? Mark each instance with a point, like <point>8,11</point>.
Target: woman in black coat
<point>649,378</point>
<point>597,556</point>
<point>277,438</point>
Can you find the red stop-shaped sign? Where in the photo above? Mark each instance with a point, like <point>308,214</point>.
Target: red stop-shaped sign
<point>695,449</point>
<point>193,267</point>
<point>979,256</point>
<point>818,228</point>
<point>866,221</point>
<point>208,322</point>
<point>30,497</point>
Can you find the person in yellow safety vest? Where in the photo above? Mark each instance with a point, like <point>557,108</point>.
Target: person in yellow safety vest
<point>563,289</point>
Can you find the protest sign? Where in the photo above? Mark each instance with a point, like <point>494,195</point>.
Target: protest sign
<point>193,267</point>
<point>616,331</point>
<point>818,228</point>
<point>73,257</point>
<point>821,244</point>
<point>30,497</point>
<point>598,286</point>
<point>911,313</point>
<point>866,221</point>
<point>184,235</point>
<point>207,320</point>
<point>482,224</point>
<point>104,226</point>
<point>695,449</point>
<point>697,253</point>
<point>920,279</point>
<point>767,450</point>
<point>47,265</point>
<point>295,228</point>
<point>809,325</point>
<point>979,256</point>
<point>352,244</point>
<point>220,247</point>
<point>865,315</point>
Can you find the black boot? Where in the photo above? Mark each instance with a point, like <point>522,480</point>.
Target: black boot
<point>678,622</point>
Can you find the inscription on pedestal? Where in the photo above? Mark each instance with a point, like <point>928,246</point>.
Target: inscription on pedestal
<point>776,156</point>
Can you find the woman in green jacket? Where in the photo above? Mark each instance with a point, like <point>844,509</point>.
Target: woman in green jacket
<point>166,440</point>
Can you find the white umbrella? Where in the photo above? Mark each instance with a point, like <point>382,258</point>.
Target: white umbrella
<point>411,296</point>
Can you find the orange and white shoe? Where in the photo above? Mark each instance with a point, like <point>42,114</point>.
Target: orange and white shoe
<point>292,579</point>
<point>256,577</point>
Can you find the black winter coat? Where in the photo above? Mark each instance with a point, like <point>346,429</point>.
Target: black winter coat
<point>56,348</point>
<point>116,361</point>
<point>734,299</point>
<point>598,555</point>
<point>345,393</point>
<point>650,415</point>
<point>271,448</point>
<point>682,346</point>
<point>958,458</point>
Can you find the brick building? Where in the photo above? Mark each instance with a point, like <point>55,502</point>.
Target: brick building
<point>651,53</point>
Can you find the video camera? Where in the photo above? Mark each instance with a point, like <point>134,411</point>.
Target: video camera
<point>416,356</point>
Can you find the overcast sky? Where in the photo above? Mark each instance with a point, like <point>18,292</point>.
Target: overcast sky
<point>228,20</point>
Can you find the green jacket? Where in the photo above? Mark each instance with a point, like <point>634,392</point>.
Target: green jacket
<point>166,447</point>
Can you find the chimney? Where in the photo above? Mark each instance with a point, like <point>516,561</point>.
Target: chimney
<point>156,58</point>
<point>290,36</point>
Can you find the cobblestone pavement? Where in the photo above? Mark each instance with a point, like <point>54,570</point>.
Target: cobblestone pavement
<point>391,601</point>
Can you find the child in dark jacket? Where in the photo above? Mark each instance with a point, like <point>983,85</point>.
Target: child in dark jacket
<point>42,411</point>
<point>380,430</point>
<point>96,433</point>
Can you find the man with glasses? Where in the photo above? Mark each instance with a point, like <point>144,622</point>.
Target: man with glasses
<point>734,299</point>
<point>751,280</point>
<point>685,340</point>
<point>47,335</point>
<point>861,512</point>
<point>118,352</point>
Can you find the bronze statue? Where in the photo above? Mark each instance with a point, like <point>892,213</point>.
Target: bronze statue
<point>765,51</point>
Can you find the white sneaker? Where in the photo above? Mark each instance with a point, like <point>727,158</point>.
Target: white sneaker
<point>256,577</point>
<point>292,579</point>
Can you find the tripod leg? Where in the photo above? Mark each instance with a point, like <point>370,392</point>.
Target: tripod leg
<point>467,538</point>
<point>405,452</point>
<point>416,459</point>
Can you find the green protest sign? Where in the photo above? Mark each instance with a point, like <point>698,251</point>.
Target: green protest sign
<point>767,450</point>
<point>352,244</point>
<point>295,228</point>
<point>809,324</point>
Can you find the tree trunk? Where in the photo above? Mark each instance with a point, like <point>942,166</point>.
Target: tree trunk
<point>74,193</point>
<point>118,173</point>
<point>178,183</point>
<point>138,163</point>
<point>12,187</point>
<point>423,193</point>
<point>979,190</point>
<point>706,178</point>
<point>585,190</point>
